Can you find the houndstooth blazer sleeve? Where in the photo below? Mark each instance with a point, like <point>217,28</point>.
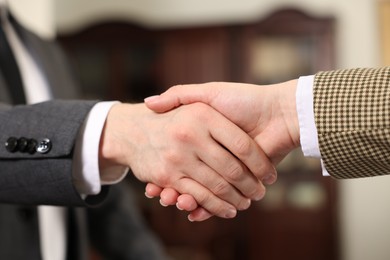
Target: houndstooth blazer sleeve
<point>352,115</point>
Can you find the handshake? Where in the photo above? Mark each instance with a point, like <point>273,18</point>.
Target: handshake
<point>210,148</point>
<point>207,148</point>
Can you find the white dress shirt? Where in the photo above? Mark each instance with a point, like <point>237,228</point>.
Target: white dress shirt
<point>307,127</point>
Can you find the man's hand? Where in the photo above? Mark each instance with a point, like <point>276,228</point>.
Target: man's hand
<point>192,150</point>
<point>266,113</point>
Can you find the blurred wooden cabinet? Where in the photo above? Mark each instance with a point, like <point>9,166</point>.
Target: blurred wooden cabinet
<point>128,62</point>
<point>298,218</point>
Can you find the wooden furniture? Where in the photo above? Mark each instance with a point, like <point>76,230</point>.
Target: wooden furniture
<point>298,217</point>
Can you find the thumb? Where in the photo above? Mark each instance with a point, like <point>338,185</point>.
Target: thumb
<point>177,96</point>
<point>161,103</point>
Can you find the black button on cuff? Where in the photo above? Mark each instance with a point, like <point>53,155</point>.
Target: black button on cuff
<point>25,145</point>
<point>22,144</point>
<point>31,146</point>
<point>11,144</point>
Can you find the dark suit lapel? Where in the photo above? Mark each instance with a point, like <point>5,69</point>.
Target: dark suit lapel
<point>51,61</point>
<point>5,96</point>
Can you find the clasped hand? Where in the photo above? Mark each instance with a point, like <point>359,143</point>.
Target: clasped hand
<point>192,150</point>
<point>266,113</point>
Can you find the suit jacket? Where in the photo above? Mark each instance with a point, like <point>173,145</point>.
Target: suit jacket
<point>352,115</point>
<point>115,229</point>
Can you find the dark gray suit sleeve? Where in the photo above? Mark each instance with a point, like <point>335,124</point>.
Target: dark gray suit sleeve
<point>41,178</point>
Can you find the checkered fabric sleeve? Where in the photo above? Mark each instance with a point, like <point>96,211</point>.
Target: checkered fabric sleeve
<point>352,115</point>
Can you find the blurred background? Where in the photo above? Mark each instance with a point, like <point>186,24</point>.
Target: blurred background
<point>127,50</point>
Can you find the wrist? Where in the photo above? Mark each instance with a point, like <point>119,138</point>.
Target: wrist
<point>287,101</point>
<point>111,150</point>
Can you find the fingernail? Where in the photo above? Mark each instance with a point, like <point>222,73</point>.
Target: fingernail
<point>190,218</point>
<point>245,205</point>
<point>151,98</point>
<point>231,213</point>
<point>269,179</point>
<point>163,204</point>
<point>260,195</point>
<point>177,206</point>
<point>148,196</point>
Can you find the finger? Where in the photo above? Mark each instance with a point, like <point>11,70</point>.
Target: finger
<point>244,148</point>
<point>180,95</point>
<point>168,197</point>
<point>232,172</point>
<point>205,198</point>
<point>186,202</point>
<point>240,148</point>
<point>199,214</point>
<point>213,181</point>
<point>152,190</point>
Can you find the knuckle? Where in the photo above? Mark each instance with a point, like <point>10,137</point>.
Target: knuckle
<point>173,89</point>
<point>220,210</point>
<point>252,193</point>
<point>211,204</point>
<point>215,208</point>
<point>260,171</point>
<point>221,189</point>
<point>176,87</point>
<point>167,175</point>
<point>264,170</point>
<point>242,146</point>
<point>164,178</point>
<point>203,199</point>
<point>183,135</point>
<point>234,172</point>
<point>171,157</point>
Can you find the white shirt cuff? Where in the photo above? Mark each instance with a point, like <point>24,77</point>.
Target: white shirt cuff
<point>307,127</point>
<point>86,172</point>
